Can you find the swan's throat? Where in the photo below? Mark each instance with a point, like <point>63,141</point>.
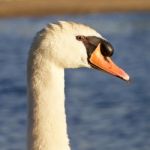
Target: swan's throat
<point>47,120</point>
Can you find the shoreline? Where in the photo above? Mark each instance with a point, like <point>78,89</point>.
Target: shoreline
<point>18,8</point>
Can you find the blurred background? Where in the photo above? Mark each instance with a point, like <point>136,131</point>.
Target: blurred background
<point>103,112</point>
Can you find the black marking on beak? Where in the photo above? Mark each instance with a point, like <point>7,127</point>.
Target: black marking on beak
<point>91,42</point>
<point>106,49</point>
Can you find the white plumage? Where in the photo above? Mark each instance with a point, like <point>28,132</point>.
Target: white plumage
<point>54,48</point>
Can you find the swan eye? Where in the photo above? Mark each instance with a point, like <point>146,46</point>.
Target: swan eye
<point>80,37</point>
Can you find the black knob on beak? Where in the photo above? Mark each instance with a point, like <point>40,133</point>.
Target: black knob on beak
<point>106,49</point>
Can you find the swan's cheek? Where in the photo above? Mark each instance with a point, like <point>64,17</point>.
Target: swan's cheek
<point>84,62</point>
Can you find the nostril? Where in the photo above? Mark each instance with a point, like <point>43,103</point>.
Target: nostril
<point>107,49</point>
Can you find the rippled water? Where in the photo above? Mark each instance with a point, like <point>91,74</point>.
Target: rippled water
<point>104,113</point>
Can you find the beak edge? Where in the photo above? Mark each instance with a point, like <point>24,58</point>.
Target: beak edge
<point>98,61</point>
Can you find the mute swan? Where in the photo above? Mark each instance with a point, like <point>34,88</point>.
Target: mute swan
<point>58,46</point>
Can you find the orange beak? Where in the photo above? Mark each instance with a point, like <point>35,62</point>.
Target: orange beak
<point>105,64</point>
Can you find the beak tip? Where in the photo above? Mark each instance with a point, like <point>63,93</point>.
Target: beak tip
<point>126,77</point>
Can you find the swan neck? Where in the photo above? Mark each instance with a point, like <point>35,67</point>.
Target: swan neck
<point>47,129</point>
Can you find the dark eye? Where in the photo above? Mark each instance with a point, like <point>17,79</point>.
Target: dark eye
<point>80,38</point>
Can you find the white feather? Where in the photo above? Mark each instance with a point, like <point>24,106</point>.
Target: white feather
<point>54,48</point>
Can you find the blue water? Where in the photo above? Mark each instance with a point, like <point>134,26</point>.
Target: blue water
<point>103,112</point>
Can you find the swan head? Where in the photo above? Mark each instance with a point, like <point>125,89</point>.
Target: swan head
<point>74,45</point>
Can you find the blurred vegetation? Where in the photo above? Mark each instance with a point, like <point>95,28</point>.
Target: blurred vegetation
<point>10,8</point>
